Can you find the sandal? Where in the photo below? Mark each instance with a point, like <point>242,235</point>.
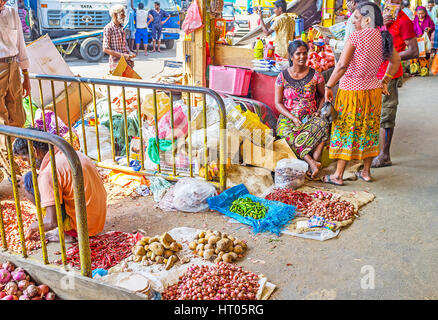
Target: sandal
<point>327,179</point>
<point>360,176</point>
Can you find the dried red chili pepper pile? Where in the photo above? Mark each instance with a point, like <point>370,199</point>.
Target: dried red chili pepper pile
<point>289,196</point>
<point>28,215</point>
<point>107,250</point>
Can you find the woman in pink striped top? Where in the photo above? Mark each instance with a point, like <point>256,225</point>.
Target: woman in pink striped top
<point>355,132</point>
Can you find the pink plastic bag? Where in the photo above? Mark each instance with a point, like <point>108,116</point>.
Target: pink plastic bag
<point>193,19</point>
<point>180,123</point>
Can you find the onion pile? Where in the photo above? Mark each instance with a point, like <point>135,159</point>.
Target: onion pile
<point>321,195</point>
<point>15,284</point>
<point>334,210</point>
<point>222,281</point>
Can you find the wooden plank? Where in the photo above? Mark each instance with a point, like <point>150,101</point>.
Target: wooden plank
<point>232,55</point>
<point>69,285</point>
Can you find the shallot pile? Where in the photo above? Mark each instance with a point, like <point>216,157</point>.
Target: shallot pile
<point>223,281</point>
<point>334,210</point>
<point>296,198</point>
<point>28,216</point>
<point>321,195</point>
<point>107,250</point>
<point>15,284</point>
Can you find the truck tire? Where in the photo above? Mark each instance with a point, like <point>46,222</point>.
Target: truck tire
<point>77,52</point>
<point>169,44</point>
<point>91,49</point>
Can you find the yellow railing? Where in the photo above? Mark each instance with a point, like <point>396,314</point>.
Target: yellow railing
<point>79,197</point>
<point>190,92</point>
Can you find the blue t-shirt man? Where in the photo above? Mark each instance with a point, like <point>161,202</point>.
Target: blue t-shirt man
<point>157,24</point>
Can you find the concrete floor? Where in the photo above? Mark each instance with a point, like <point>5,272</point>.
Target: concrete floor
<point>394,239</point>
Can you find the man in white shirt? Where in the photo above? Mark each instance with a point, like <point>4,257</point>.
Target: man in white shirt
<point>406,4</point>
<point>338,45</point>
<point>142,24</point>
<point>13,57</point>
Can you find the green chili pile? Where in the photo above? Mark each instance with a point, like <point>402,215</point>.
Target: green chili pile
<point>248,208</point>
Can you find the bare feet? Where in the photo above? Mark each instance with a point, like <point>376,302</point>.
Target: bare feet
<point>365,176</point>
<point>145,53</point>
<point>53,236</point>
<point>314,168</point>
<point>381,161</point>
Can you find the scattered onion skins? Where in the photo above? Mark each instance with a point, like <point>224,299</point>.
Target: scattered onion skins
<point>15,284</point>
<point>222,281</point>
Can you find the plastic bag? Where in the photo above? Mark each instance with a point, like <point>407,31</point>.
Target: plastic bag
<point>421,47</point>
<point>249,125</point>
<point>104,142</point>
<point>166,203</point>
<point>191,195</point>
<point>434,67</point>
<point>427,43</point>
<point>180,123</point>
<point>153,154</point>
<point>212,138</point>
<point>278,215</point>
<point>193,20</point>
<point>290,173</point>
<point>163,105</point>
<point>159,187</point>
<point>26,107</point>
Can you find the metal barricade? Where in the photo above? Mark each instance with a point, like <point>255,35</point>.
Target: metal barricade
<point>78,187</point>
<point>172,90</point>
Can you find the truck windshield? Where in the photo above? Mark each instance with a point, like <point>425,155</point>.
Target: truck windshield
<point>228,11</point>
<point>167,5</point>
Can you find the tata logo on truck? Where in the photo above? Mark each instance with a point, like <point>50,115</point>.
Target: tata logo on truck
<point>87,19</point>
<point>86,6</point>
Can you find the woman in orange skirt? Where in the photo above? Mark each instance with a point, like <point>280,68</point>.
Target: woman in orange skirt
<point>355,132</point>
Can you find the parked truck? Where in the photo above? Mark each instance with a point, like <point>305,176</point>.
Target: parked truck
<point>76,26</point>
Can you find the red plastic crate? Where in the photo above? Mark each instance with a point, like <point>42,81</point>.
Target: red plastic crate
<point>232,80</point>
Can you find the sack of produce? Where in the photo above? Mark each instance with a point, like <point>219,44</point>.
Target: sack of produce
<point>191,195</point>
<point>262,215</point>
<point>290,173</point>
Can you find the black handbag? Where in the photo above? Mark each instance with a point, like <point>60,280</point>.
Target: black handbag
<point>328,112</point>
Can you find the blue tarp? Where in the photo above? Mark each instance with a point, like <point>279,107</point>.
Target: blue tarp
<point>278,215</point>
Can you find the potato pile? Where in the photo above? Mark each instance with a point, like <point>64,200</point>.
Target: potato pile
<point>218,246</point>
<point>158,249</point>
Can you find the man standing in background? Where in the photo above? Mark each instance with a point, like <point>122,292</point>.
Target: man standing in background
<point>114,39</point>
<point>338,45</point>
<point>13,57</point>
<point>434,16</point>
<point>254,19</point>
<point>142,24</point>
<point>283,26</point>
<point>406,7</point>
<point>405,42</point>
<point>157,24</point>
<point>130,27</point>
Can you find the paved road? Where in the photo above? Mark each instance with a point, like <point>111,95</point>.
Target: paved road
<point>389,253</point>
<point>145,66</point>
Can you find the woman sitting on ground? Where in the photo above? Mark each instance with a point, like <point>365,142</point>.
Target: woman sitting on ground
<point>299,97</point>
